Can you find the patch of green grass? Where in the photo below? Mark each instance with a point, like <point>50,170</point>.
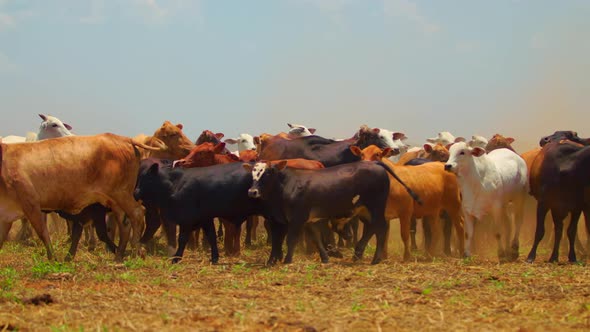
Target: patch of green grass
<point>64,328</point>
<point>240,268</point>
<point>42,267</point>
<point>128,276</point>
<point>357,306</point>
<point>8,276</point>
<point>427,290</point>
<point>498,284</point>
<point>134,263</point>
<point>103,277</point>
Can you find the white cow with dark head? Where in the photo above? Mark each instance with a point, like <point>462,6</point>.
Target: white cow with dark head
<point>489,182</point>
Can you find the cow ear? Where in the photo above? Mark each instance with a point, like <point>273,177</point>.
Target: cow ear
<point>477,152</point>
<point>281,165</point>
<point>290,125</point>
<point>387,152</point>
<point>376,130</point>
<point>510,140</point>
<point>448,146</point>
<point>311,130</point>
<point>247,167</point>
<point>427,147</point>
<point>460,139</point>
<point>219,148</point>
<point>355,150</point>
<point>153,169</point>
<point>68,127</point>
<point>231,141</point>
<point>399,136</point>
<point>180,126</point>
<point>219,135</point>
<point>43,117</point>
<point>256,140</point>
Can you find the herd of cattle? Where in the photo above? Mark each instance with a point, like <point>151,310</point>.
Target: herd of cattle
<point>299,182</point>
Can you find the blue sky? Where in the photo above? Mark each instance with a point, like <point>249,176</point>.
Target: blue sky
<point>519,68</point>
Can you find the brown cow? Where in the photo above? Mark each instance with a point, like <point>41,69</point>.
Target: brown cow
<point>178,145</point>
<point>437,189</point>
<point>498,142</point>
<point>69,174</point>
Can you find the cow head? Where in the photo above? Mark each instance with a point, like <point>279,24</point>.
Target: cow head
<point>264,177</point>
<point>52,127</point>
<point>248,156</point>
<point>498,142</point>
<point>244,142</point>
<point>371,152</point>
<point>461,155</point>
<point>178,144</point>
<point>564,135</point>
<point>367,136</point>
<point>153,184</point>
<point>299,131</point>
<point>202,155</point>
<point>437,152</point>
<point>445,138</point>
<point>477,140</point>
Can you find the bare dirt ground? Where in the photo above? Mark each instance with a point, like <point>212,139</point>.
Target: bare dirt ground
<point>95,293</point>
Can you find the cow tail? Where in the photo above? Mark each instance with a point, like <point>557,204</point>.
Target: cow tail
<point>390,171</point>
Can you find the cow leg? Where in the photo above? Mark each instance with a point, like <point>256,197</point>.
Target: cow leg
<point>558,229</point>
<point>133,211</point>
<point>447,232</point>
<point>435,233</point>
<point>404,224</point>
<point>228,241</point>
<point>25,231</point>
<point>278,231</point>
<point>100,227</point>
<point>504,229</point>
<point>572,231</point>
<point>539,231</point>
<point>170,230</point>
<point>35,216</point>
<point>220,231</point>
<point>77,228</point>
<point>381,229</point>
<point>268,229</point>
<point>518,207</point>
<point>469,220</point>
<point>182,241</point>
<point>152,223</point>
<point>361,245</point>
<point>4,230</point>
<point>456,219</point>
<point>209,232</point>
<point>587,222</point>
<point>251,226</point>
<point>313,232</point>
<point>89,236</point>
<point>413,227</point>
<point>124,234</point>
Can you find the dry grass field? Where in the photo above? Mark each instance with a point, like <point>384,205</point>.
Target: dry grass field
<point>94,293</point>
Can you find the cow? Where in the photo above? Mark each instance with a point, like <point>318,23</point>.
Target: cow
<point>564,135</point>
<point>293,197</point>
<point>444,138</point>
<point>169,135</point>
<point>498,141</point>
<point>559,181</point>
<point>244,142</point>
<point>299,131</point>
<point>489,182</point>
<point>192,197</point>
<point>478,140</point>
<point>437,189</point>
<point>69,174</point>
<point>434,152</point>
<point>327,151</point>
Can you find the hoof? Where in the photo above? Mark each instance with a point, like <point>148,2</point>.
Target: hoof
<point>175,260</point>
<point>376,261</point>
<point>335,253</point>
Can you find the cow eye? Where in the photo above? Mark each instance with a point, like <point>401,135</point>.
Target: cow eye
<point>462,153</point>
<point>54,125</point>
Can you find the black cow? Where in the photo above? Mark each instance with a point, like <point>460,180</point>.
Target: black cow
<point>562,187</point>
<point>564,135</point>
<point>328,152</point>
<point>192,197</point>
<point>292,197</point>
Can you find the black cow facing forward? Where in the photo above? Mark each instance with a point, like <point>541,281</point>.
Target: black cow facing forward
<point>192,197</point>
<point>292,197</point>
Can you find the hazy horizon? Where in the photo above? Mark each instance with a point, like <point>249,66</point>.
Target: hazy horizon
<point>518,68</point>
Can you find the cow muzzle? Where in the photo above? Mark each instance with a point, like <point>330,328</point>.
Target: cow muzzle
<point>449,168</point>
<point>253,193</point>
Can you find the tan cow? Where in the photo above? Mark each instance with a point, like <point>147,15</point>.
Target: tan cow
<point>69,174</point>
<point>178,145</point>
<point>437,189</point>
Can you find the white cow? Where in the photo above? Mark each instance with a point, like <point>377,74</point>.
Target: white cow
<point>244,142</point>
<point>489,182</point>
<point>299,130</point>
<point>479,141</point>
<point>395,140</point>
<point>445,138</point>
